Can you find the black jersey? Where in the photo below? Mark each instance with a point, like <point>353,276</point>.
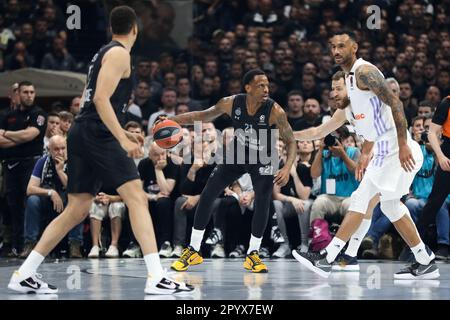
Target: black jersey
<point>119,99</point>
<point>252,133</point>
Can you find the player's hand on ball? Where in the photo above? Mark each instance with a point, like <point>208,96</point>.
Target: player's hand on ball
<point>282,177</point>
<point>406,158</point>
<point>159,119</point>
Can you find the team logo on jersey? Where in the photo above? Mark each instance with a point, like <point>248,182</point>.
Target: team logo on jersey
<point>262,118</point>
<point>40,120</point>
<point>359,116</point>
<point>238,112</point>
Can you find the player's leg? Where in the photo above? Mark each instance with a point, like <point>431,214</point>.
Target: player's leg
<point>348,261</point>
<point>24,280</point>
<point>262,186</point>
<point>321,262</point>
<point>222,176</point>
<point>399,215</point>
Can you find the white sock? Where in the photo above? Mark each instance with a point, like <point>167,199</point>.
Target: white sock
<point>31,264</point>
<point>255,244</point>
<point>333,249</point>
<point>196,239</point>
<point>153,264</point>
<point>421,254</point>
<point>357,238</point>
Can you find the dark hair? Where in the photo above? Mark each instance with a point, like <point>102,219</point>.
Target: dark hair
<point>132,124</point>
<point>294,93</point>
<point>25,84</point>
<point>122,20</point>
<point>66,116</point>
<point>417,118</point>
<point>350,34</point>
<point>426,103</point>
<point>250,75</point>
<point>338,75</point>
<point>53,114</point>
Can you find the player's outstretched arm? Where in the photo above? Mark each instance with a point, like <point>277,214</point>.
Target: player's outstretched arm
<point>367,77</point>
<point>223,106</point>
<point>314,133</point>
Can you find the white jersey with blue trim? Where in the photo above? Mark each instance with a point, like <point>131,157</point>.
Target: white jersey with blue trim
<point>373,121</point>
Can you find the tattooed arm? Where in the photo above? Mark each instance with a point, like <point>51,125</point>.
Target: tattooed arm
<point>278,117</point>
<point>223,106</point>
<point>368,78</point>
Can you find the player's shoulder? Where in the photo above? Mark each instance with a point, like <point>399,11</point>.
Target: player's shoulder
<point>119,53</point>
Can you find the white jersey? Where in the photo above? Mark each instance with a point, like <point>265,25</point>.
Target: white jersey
<point>373,121</point>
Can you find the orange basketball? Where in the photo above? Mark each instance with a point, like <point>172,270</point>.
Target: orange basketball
<point>167,134</point>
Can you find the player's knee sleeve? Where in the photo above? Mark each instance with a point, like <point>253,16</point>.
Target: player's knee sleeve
<point>97,211</point>
<point>116,209</point>
<point>359,201</point>
<point>393,209</point>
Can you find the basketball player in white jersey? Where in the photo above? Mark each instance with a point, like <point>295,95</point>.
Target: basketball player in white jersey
<point>378,116</point>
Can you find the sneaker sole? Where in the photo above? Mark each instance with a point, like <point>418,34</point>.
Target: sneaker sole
<point>155,291</point>
<point>18,288</point>
<point>427,276</point>
<point>347,268</point>
<point>309,265</point>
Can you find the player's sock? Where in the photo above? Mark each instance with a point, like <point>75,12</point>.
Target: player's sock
<point>255,244</point>
<point>421,254</point>
<point>357,237</point>
<point>196,238</point>
<point>333,249</point>
<point>153,264</point>
<point>31,264</point>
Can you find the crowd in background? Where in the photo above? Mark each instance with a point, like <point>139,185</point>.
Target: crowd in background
<point>286,39</point>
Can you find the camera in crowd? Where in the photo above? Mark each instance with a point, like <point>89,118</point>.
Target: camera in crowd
<point>330,141</point>
<point>424,137</point>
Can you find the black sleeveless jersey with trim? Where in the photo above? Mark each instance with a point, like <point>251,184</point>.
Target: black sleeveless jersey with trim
<point>119,99</point>
<point>252,133</point>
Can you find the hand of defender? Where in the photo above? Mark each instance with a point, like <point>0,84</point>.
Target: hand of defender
<point>282,177</point>
<point>406,158</point>
<point>134,150</point>
<point>159,119</point>
<point>361,166</point>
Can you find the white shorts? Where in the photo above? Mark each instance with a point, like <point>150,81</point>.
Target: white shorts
<point>385,176</point>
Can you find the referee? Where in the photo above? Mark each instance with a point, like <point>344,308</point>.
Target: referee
<point>441,185</point>
<point>21,139</point>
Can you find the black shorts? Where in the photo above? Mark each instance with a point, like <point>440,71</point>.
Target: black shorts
<point>96,159</point>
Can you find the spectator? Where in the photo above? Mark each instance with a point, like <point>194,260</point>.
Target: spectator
<point>110,204</point>
<point>142,98</point>
<point>59,58</point>
<point>408,104</point>
<point>433,95</point>
<point>47,198</point>
<point>66,122</point>
<point>169,102</point>
<point>53,128</point>
<point>335,166</point>
<point>75,105</point>
<point>309,87</point>
<point>22,142</point>
<point>311,115</point>
<point>293,200</point>
<point>159,174</point>
<point>425,109</point>
<point>295,108</point>
<point>19,58</point>
<point>183,94</point>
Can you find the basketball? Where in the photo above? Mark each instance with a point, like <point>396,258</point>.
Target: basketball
<point>167,134</point>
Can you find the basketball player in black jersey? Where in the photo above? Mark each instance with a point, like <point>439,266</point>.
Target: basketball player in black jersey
<point>252,113</point>
<point>100,153</point>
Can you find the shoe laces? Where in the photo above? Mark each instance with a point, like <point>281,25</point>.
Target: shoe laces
<point>255,258</point>
<point>187,253</point>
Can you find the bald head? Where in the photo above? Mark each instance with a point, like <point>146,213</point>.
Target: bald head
<point>57,146</point>
<point>157,153</point>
